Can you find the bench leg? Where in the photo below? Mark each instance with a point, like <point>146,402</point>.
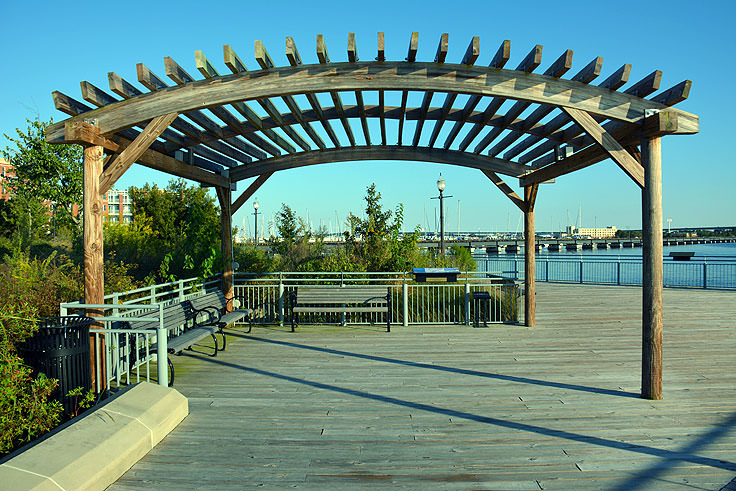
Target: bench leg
<point>171,370</point>
<point>224,339</point>
<point>293,319</point>
<point>216,348</point>
<point>388,311</point>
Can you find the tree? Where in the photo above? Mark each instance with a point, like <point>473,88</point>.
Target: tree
<point>296,248</point>
<point>175,232</point>
<point>378,240</point>
<point>44,174</point>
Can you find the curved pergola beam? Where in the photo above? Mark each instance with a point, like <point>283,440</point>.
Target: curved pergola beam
<point>400,76</point>
<point>393,152</point>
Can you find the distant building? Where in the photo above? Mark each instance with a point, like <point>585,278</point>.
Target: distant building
<point>117,206</point>
<point>6,169</point>
<point>594,233</point>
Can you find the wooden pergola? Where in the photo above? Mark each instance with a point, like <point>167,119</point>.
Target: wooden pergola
<point>206,130</point>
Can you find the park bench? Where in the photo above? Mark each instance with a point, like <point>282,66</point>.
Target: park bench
<point>188,322</point>
<point>340,299</point>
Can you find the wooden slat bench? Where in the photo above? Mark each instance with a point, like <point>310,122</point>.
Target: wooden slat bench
<point>190,321</point>
<point>341,299</point>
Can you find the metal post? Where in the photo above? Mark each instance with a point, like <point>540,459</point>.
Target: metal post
<point>281,299</point>
<point>162,350</point>
<point>618,271</point>
<point>705,273</point>
<point>405,296</point>
<point>442,225</point>
<point>181,290</point>
<point>467,300</point>
<point>581,269</point>
<point>546,269</point>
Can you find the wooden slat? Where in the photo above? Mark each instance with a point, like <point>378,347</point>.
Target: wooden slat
<point>250,191</point>
<point>262,56</point>
<point>471,54</point>
<point>352,48</point>
<point>557,70</point>
<point>591,71</point>
<point>353,58</point>
<point>324,59</point>
<point>402,112</point>
<point>675,94</point>
<point>646,86</point>
<point>165,163</point>
<point>449,98</point>
<point>527,65</point>
<point>292,54</point>
<point>614,81</point>
<point>382,115</point>
<point>617,153</point>
<point>505,189</point>
<point>501,84</point>
<point>442,48</point>
<point>127,91</point>
<point>426,100</point>
<point>235,65</point>
<point>499,61</point>
<point>121,162</point>
<point>379,152</point>
<point>381,52</point>
<point>176,73</point>
<point>411,55</point>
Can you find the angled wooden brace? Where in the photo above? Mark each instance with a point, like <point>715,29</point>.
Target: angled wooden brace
<point>612,147</point>
<point>249,192</point>
<point>122,162</point>
<point>505,189</point>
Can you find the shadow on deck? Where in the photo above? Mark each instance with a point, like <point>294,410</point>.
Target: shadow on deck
<point>505,407</point>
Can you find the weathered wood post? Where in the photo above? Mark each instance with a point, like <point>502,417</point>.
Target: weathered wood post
<point>224,196</point>
<point>530,250</point>
<point>94,290</point>
<point>651,369</point>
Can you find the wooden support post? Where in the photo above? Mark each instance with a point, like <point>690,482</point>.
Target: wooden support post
<point>530,250</point>
<point>224,195</point>
<point>94,292</point>
<point>651,369</point>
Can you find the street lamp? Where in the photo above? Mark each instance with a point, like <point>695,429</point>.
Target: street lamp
<point>441,197</point>
<point>255,213</point>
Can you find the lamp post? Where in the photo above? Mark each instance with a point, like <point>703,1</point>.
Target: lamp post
<point>441,197</point>
<point>255,213</point>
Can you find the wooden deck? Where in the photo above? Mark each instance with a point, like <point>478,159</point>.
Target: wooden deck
<point>503,407</point>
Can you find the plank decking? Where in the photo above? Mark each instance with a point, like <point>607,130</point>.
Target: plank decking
<point>504,407</point>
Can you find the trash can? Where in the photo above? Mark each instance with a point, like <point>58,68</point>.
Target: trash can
<point>60,349</point>
<point>482,301</point>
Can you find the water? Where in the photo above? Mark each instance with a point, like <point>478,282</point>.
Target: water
<point>713,266</point>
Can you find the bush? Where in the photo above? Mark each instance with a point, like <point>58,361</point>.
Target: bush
<point>25,411</point>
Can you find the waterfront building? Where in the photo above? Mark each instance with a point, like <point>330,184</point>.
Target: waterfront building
<point>593,233</point>
<point>6,170</point>
<point>116,206</point>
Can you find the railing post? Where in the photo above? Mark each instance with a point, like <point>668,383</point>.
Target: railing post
<point>281,299</point>
<point>467,300</point>
<point>581,269</point>
<point>181,290</point>
<point>546,269</point>
<point>516,270</point>
<point>162,350</point>
<point>343,321</point>
<point>618,271</point>
<point>405,298</point>
<point>62,310</point>
<point>705,273</point>
<point>153,295</point>
<point>115,301</point>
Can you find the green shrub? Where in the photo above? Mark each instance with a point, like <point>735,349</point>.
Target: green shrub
<point>25,411</point>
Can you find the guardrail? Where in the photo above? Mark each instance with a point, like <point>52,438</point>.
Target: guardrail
<point>128,353</point>
<point>699,272</point>
<point>412,303</point>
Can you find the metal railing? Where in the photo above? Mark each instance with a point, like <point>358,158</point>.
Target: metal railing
<point>412,303</point>
<point>130,352</point>
<point>699,272</point>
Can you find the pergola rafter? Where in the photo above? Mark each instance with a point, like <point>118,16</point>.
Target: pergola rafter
<point>207,130</point>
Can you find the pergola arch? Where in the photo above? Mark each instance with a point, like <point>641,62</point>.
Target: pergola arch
<point>206,129</point>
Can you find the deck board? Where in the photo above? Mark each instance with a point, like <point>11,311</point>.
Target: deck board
<point>502,407</point>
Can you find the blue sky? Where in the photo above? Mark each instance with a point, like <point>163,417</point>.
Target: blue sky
<point>55,45</point>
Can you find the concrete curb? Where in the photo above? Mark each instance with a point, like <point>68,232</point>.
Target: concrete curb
<point>95,451</point>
